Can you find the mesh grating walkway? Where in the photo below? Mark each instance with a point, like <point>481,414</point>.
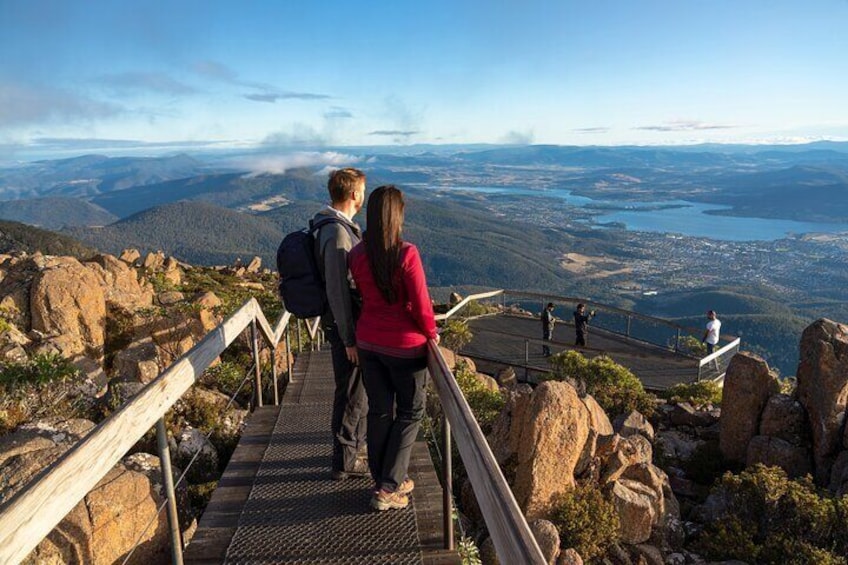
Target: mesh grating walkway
<point>295,513</point>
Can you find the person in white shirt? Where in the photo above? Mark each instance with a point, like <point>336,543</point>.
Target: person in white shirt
<point>711,334</point>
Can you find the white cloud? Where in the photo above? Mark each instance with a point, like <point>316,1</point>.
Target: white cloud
<point>279,164</point>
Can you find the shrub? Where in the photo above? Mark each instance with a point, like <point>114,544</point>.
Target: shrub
<point>690,345</point>
<point>697,394</point>
<point>455,334</point>
<point>486,404</point>
<point>41,369</point>
<point>586,521</point>
<point>615,388</point>
<point>707,464</point>
<point>774,520</point>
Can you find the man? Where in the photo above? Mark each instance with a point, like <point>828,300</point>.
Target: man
<point>581,324</point>
<point>711,334</point>
<point>335,240</point>
<point>548,322</point>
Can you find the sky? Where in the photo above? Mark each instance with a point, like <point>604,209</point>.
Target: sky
<point>95,75</point>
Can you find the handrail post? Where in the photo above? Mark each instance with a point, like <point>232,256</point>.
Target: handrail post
<point>168,485</point>
<point>447,489</point>
<point>274,375</point>
<point>289,356</point>
<point>257,382</point>
<point>299,342</point>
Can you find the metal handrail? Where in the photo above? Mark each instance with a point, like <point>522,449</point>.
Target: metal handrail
<point>33,512</point>
<point>513,540</point>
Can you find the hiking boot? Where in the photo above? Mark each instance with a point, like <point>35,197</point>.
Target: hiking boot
<point>406,487</point>
<point>384,500</point>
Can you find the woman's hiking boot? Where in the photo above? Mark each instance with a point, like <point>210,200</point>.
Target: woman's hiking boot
<point>385,500</point>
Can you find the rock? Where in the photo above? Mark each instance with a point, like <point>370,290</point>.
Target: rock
<point>795,460</point>
<point>598,419</point>
<point>138,362</point>
<point>839,475</point>
<point>569,557</point>
<point>636,506</point>
<point>469,363</point>
<point>684,414</point>
<point>647,554</point>
<point>170,297</point>
<point>676,445</point>
<point>12,343</point>
<point>488,555</point>
<point>130,256</point>
<point>119,392</point>
<point>506,377</point>
<point>93,382</point>
<point>67,299</point>
<point>205,467</point>
<point>547,537</point>
<point>15,292</point>
<point>748,384</point>
<point>120,284</point>
<point>150,466</point>
<point>454,299</point>
<point>633,423</point>
<point>254,265</point>
<point>154,261</point>
<point>823,390</point>
<point>784,418</point>
<point>505,436</point>
<point>628,451</point>
<point>553,431</point>
<point>586,463</point>
<point>489,383</point>
<point>449,356</point>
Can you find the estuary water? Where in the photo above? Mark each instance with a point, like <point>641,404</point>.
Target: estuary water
<point>674,216</point>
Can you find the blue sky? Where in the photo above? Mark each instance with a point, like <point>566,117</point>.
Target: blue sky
<point>77,76</point>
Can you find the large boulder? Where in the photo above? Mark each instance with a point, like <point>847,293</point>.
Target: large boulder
<point>748,384</point>
<point>794,459</point>
<point>105,525</point>
<point>553,430</point>
<point>598,419</point>
<point>137,362</point>
<point>617,454</point>
<point>633,423</point>
<point>823,390</point>
<point>637,506</point>
<point>190,443</point>
<point>547,536</point>
<point>784,418</point>
<point>120,283</point>
<point>505,436</point>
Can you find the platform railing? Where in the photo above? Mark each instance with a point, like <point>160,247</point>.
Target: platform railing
<point>513,540</point>
<point>33,512</point>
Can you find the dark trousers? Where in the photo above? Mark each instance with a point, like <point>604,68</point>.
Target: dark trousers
<point>581,339</point>
<point>350,406</point>
<point>547,335</point>
<point>396,397</point>
<point>710,348</point>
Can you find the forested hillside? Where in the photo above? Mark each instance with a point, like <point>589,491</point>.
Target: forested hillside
<point>20,237</point>
<point>55,212</point>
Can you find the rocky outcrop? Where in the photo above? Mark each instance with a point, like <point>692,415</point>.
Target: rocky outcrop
<point>748,385</point>
<point>553,430</point>
<point>120,284</point>
<point>633,423</point>
<point>637,506</point>
<point>547,537</point>
<point>254,266</point>
<point>67,299</point>
<point>773,451</point>
<point>130,256</point>
<point>823,390</point>
<point>598,419</point>
<point>784,418</point>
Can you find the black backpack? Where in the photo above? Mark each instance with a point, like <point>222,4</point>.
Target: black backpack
<point>301,285</point>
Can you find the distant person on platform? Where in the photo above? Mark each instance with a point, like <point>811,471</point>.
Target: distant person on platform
<point>711,334</point>
<point>335,240</point>
<point>548,322</point>
<point>581,324</point>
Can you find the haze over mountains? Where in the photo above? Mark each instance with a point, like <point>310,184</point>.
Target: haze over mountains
<point>204,211</point>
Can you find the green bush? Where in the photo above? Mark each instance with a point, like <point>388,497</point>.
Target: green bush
<point>615,388</point>
<point>690,345</point>
<point>41,369</point>
<point>697,394</point>
<point>774,520</point>
<point>486,404</point>
<point>586,521</point>
<point>455,334</point>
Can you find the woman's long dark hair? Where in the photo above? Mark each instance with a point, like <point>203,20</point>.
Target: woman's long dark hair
<point>383,239</point>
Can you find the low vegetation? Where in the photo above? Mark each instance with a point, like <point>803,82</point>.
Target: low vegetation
<point>615,388</point>
<point>772,520</point>
<point>586,521</point>
<point>485,403</point>
<point>455,334</point>
<point>697,394</point>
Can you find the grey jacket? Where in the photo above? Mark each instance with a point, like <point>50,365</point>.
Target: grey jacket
<point>334,243</point>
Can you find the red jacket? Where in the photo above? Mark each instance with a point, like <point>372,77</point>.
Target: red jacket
<point>400,329</point>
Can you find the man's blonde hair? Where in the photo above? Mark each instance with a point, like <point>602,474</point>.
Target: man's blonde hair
<point>343,184</point>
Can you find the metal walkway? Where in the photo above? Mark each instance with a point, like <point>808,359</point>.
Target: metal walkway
<point>295,513</point>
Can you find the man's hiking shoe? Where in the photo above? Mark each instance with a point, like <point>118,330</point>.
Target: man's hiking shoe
<point>384,500</point>
<point>406,487</point>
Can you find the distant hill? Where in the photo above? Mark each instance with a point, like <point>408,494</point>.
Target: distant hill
<point>230,190</point>
<point>55,212</point>
<point>90,175</point>
<point>196,232</point>
<point>15,236</point>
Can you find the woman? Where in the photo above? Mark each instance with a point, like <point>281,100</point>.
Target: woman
<point>391,338</point>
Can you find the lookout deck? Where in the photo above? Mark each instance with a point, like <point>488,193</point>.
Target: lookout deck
<point>508,340</point>
<point>276,502</point>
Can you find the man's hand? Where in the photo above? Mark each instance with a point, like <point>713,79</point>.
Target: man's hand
<point>352,355</point>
